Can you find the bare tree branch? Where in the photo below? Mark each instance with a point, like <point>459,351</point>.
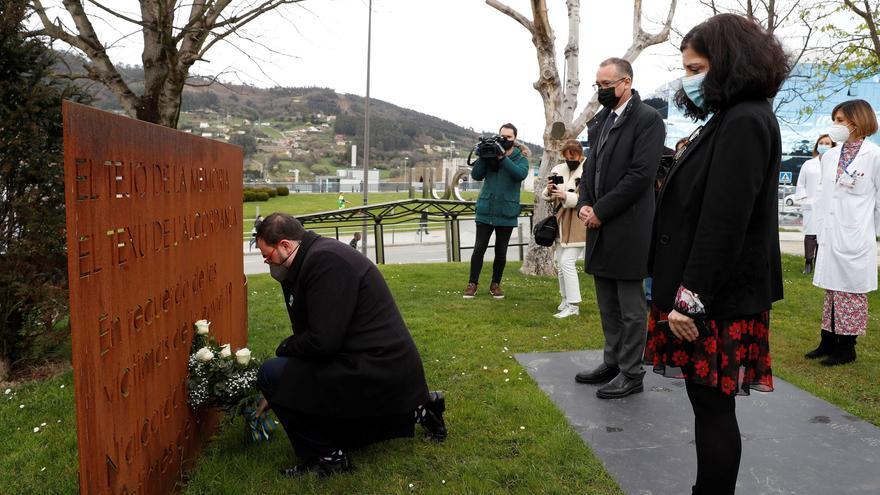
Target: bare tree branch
<point>508,11</point>
<point>168,52</point>
<point>572,57</point>
<point>102,68</point>
<point>117,14</point>
<point>641,40</point>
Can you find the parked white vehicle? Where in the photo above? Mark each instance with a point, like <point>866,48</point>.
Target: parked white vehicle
<point>792,200</point>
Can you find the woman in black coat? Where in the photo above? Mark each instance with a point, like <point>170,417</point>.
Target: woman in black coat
<point>715,250</point>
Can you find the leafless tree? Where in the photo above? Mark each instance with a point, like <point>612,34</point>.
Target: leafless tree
<point>560,97</point>
<point>175,36</point>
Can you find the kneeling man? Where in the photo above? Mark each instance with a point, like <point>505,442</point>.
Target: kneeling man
<point>350,375</point>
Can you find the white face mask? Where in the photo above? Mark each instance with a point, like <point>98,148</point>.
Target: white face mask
<point>838,133</point>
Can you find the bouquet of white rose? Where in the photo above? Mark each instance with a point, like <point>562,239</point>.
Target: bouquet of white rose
<point>219,378</point>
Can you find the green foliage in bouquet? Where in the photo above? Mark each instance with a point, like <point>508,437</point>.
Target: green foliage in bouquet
<point>227,380</point>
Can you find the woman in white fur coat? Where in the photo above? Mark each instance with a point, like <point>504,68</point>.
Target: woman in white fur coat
<point>572,235</point>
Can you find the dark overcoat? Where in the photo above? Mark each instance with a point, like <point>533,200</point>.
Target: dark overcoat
<point>351,352</point>
<point>716,229</point>
<point>623,197</point>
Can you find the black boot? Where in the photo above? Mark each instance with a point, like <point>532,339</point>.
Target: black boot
<point>826,346</point>
<point>430,416</point>
<point>808,267</point>
<point>844,351</point>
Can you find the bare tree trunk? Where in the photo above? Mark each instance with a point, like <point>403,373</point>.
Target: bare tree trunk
<point>4,368</point>
<point>561,102</point>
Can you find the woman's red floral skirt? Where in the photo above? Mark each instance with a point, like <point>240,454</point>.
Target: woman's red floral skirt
<point>735,358</point>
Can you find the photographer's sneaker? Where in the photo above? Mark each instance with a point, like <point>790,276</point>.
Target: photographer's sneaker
<point>562,305</point>
<point>569,310</point>
<point>470,291</point>
<point>495,290</point>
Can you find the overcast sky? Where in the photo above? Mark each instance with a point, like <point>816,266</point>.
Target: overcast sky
<point>459,60</point>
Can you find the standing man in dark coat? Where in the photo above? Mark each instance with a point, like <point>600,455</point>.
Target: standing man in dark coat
<point>350,375</point>
<point>616,202</point>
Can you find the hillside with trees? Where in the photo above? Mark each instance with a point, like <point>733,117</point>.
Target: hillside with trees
<point>309,130</point>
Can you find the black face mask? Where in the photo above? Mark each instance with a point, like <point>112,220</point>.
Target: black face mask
<point>507,144</point>
<point>607,98</point>
<point>572,164</point>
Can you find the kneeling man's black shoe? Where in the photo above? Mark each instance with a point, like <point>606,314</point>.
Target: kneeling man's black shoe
<point>601,374</point>
<point>619,387</point>
<point>321,466</point>
<point>433,416</point>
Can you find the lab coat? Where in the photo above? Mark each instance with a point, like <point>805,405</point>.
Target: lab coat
<point>847,221</point>
<point>808,187</point>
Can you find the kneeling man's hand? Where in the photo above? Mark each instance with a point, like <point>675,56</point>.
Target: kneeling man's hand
<point>262,406</point>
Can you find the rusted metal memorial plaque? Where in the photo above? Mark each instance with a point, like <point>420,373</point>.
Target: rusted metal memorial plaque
<point>154,237</point>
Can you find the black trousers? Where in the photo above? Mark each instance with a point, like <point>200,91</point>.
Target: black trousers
<point>312,435</point>
<point>719,446</point>
<point>502,239</point>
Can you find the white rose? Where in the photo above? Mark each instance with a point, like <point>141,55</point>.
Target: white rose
<point>225,351</point>
<point>204,354</point>
<point>243,356</point>
<point>202,327</point>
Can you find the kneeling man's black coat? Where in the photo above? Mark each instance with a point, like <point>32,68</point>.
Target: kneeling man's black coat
<point>351,353</point>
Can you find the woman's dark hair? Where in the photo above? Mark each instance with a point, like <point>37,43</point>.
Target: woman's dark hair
<point>278,227</point>
<point>816,146</point>
<point>509,126</point>
<point>745,63</point>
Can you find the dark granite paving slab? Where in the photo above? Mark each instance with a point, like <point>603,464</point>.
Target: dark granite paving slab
<point>793,443</point>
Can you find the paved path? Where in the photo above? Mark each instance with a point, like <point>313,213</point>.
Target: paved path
<point>793,442</point>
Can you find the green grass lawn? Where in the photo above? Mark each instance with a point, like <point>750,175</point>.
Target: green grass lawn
<point>505,434</point>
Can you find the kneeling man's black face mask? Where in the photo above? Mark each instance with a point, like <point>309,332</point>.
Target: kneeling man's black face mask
<point>278,272</point>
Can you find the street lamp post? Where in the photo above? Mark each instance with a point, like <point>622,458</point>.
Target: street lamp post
<point>367,125</point>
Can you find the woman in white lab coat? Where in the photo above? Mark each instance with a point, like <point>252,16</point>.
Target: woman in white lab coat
<point>848,221</point>
<point>808,186</point>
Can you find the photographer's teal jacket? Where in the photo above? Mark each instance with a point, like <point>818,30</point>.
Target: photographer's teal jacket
<point>498,203</point>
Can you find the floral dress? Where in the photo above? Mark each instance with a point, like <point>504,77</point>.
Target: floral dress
<point>734,357</point>
<point>845,313</point>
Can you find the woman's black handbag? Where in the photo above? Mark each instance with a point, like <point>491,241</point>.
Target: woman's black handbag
<point>547,230</point>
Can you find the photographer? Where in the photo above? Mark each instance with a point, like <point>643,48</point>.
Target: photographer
<point>562,186</point>
<point>498,204</point>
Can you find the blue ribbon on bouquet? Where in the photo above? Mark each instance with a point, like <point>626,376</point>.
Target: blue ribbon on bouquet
<point>258,427</point>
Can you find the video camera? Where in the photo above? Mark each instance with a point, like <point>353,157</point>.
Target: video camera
<point>487,147</point>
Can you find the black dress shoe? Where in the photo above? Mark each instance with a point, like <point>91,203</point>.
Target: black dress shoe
<point>433,419</point>
<point>620,386</point>
<point>321,466</point>
<point>601,374</point>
